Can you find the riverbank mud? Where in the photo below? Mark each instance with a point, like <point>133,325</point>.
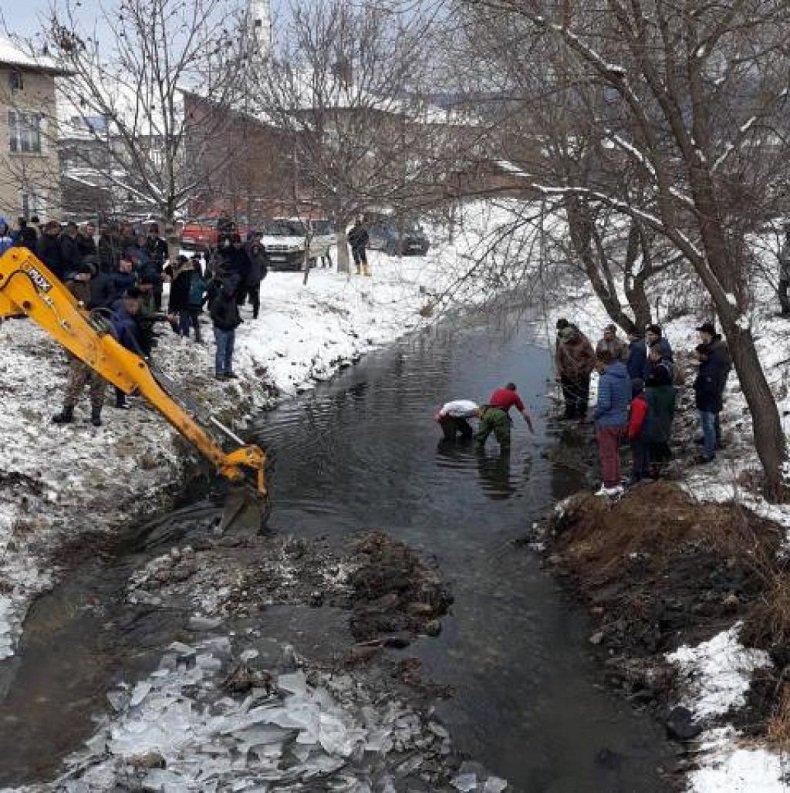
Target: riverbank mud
<point>666,578</point>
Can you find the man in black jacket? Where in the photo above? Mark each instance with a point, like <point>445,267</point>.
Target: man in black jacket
<point>259,268</point>
<point>109,249</point>
<point>85,240</point>
<point>49,249</point>
<point>358,239</point>
<point>714,368</point>
<point>224,312</point>
<point>80,284</point>
<point>69,248</point>
<point>26,236</point>
<point>156,248</point>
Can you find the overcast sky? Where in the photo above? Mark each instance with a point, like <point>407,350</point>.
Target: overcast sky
<point>22,17</point>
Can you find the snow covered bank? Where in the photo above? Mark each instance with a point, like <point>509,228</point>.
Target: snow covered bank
<point>717,675</point>
<point>58,484</point>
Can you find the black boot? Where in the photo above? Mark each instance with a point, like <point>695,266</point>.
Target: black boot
<point>66,416</point>
<point>96,416</point>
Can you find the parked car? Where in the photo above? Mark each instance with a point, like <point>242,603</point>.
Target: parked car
<point>202,234</point>
<point>284,241</point>
<point>404,238</point>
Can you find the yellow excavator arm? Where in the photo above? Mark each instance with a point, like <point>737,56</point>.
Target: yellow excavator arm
<point>28,288</point>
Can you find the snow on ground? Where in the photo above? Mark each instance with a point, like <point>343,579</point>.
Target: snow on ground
<point>717,673</point>
<point>58,483</point>
<point>730,767</point>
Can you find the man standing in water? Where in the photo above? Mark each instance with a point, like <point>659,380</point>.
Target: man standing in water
<point>454,417</point>
<point>494,416</point>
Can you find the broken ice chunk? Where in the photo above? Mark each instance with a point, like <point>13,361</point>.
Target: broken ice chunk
<point>182,650</point>
<point>293,683</point>
<point>465,782</point>
<point>206,661</point>
<point>494,784</point>
<point>140,692</point>
<point>118,700</point>
<point>200,623</point>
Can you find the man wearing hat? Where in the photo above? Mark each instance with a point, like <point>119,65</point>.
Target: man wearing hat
<point>714,368</point>
<point>574,360</point>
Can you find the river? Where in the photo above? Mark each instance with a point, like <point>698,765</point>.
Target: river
<point>362,452</point>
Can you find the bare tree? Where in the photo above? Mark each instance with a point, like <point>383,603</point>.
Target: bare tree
<point>696,95</point>
<point>348,84</point>
<point>123,102</point>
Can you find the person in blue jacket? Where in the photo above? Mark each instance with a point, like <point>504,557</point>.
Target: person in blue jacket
<point>6,240</point>
<point>637,356</point>
<point>126,329</point>
<point>611,418</point>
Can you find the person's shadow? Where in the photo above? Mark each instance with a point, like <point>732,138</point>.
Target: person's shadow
<point>494,472</point>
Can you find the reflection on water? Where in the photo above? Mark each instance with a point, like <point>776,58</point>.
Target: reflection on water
<point>364,452</point>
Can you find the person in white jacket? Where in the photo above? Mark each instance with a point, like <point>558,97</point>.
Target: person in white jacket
<point>453,418</point>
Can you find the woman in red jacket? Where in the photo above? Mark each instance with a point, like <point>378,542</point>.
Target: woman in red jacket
<point>637,421</point>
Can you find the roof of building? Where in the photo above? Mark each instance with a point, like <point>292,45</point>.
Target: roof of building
<point>12,55</point>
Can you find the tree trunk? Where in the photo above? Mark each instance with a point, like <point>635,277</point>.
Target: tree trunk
<point>580,228</point>
<point>640,305</point>
<point>769,439</point>
<point>343,262</point>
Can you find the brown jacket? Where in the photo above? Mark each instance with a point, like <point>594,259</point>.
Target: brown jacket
<point>617,347</point>
<point>575,356</point>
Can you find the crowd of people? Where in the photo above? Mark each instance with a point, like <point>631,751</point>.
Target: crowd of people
<point>637,395</point>
<point>635,405</point>
<point>119,271</point>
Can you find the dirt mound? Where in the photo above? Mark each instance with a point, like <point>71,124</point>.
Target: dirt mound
<point>394,592</point>
<point>660,569</point>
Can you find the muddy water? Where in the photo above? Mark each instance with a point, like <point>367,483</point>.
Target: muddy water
<point>362,452</point>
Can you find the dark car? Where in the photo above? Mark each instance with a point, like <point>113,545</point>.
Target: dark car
<point>398,239</point>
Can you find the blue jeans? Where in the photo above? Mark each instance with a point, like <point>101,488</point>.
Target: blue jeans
<point>223,359</point>
<point>708,420</point>
<point>188,319</point>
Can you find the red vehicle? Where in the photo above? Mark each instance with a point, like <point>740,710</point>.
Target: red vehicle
<point>203,233</point>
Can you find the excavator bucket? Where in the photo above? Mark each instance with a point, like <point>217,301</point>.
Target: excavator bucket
<point>244,512</point>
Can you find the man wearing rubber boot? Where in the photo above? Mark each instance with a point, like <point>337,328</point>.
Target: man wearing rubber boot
<point>494,417</point>
<point>80,374</point>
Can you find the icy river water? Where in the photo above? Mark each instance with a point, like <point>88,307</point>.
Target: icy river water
<point>362,452</point>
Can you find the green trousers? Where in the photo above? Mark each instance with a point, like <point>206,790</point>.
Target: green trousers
<point>496,421</point>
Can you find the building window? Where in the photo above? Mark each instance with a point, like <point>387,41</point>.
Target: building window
<point>25,132</point>
<point>15,82</point>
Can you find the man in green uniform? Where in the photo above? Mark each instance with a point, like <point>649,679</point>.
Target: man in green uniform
<point>494,416</point>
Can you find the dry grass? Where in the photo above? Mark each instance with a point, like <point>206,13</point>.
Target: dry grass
<point>656,520</point>
<point>779,725</point>
<point>768,624</point>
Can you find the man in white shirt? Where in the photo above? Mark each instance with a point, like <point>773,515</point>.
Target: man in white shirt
<point>454,417</point>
